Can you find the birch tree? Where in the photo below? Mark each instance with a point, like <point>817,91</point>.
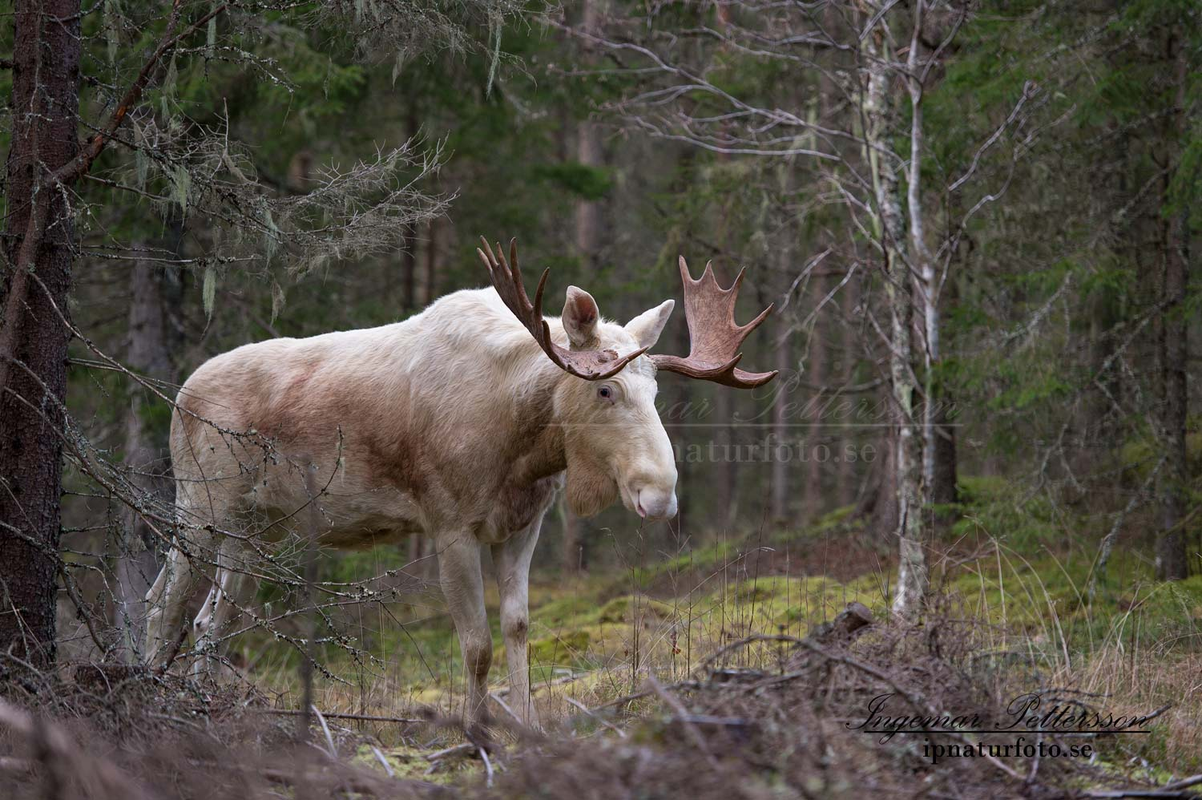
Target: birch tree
<point>881,120</point>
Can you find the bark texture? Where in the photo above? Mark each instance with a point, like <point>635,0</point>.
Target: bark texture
<point>38,244</point>
<point>1171,561</point>
<point>880,112</point>
<point>817,374</point>
<point>588,154</point>
<point>849,299</point>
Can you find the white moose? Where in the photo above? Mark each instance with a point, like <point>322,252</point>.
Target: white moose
<point>458,423</point>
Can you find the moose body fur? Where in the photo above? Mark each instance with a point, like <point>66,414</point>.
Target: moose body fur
<point>438,421</point>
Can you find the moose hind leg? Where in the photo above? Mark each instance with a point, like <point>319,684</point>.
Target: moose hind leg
<point>232,591</point>
<point>192,557</point>
<point>167,599</point>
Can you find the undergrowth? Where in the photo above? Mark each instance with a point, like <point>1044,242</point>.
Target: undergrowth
<point>1002,564</point>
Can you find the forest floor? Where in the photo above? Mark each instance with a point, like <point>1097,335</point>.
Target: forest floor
<point>709,674</point>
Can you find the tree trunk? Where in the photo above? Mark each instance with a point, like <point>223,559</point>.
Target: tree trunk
<point>409,268</point>
<point>880,114</point>
<point>780,469</point>
<point>1171,561</point>
<point>847,373</point>
<point>433,258</point>
<point>883,485</point>
<point>146,453</point>
<point>409,251</point>
<point>588,237</point>
<point>588,212</point>
<point>938,472</point>
<point>588,153</point>
<point>725,476</point>
<point>945,475</point>
<point>38,241</point>
<point>575,546</point>
<point>815,436</point>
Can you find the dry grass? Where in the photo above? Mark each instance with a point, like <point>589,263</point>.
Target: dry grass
<point>768,717</point>
<point>635,705</point>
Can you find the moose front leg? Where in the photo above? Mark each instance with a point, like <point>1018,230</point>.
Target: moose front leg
<point>512,562</point>
<point>463,587</point>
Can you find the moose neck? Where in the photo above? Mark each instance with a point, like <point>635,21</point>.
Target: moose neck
<point>543,453</point>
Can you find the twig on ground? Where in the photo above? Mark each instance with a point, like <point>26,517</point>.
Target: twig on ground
<point>709,719</point>
<point>458,750</point>
<point>326,729</point>
<point>1164,794</point>
<point>290,712</point>
<point>383,761</point>
<point>759,637</point>
<point>1156,714</point>
<point>630,698</point>
<point>600,720</point>
<point>683,715</point>
<point>507,709</point>
<point>1184,783</point>
<point>504,691</point>
<point>487,766</point>
<point>13,764</point>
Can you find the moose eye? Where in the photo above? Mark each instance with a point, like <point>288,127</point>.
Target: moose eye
<point>606,393</point>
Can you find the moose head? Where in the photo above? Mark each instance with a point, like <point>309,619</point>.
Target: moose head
<point>614,442</point>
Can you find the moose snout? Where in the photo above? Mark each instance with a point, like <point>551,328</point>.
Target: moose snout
<point>655,503</point>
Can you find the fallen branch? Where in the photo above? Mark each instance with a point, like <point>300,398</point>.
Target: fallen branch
<point>333,749</point>
<point>1161,793</point>
<point>1184,783</point>
<point>487,766</point>
<point>289,712</point>
<point>504,691</point>
<point>630,698</point>
<point>496,699</point>
<point>600,720</point>
<point>851,619</point>
<point>458,751</point>
<point>683,716</point>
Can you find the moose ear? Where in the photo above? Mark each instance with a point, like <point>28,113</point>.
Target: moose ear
<point>646,327</point>
<point>580,317</point>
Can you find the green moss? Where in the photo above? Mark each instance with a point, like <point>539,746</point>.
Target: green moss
<point>409,763</point>
<point>633,608</point>
<point>565,610</point>
<point>568,648</point>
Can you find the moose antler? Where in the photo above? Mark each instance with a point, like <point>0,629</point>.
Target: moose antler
<point>714,336</point>
<point>592,365</point>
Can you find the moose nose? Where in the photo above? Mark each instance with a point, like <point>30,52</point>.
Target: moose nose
<point>655,504</point>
